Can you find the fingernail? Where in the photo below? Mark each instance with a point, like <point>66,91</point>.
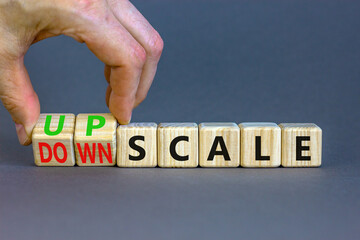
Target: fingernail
<point>22,136</point>
<point>126,122</point>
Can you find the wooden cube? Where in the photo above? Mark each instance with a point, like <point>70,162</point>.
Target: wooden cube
<point>219,145</point>
<point>95,139</point>
<point>301,145</point>
<point>52,140</point>
<point>177,145</point>
<point>260,144</point>
<point>136,145</point>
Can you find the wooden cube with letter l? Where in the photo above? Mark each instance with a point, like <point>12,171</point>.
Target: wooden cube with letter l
<point>177,145</point>
<point>260,144</point>
<point>52,140</point>
<point>95,139</point>
<point>219,145</point>
<point>301,145</point>
<point>136,145</point>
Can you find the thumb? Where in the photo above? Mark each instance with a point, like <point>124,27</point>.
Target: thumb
<point>19,97</point>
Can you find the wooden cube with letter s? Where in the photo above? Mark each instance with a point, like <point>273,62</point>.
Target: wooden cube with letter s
<point>52,140</point>
<point>95,139</point>
<point>136,145</point>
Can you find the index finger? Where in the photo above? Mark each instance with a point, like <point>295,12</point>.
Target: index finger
<point>116,47</point>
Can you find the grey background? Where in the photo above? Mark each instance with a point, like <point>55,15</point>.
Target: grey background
<point>280,61</point>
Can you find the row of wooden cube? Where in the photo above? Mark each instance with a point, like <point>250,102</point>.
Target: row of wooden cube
<point>97,140</point>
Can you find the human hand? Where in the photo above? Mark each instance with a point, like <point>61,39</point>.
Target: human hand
<point>114,30</point>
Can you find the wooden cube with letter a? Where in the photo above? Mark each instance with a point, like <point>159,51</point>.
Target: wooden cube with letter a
<point>177,145</point>
<point>260,144</point>
<point>136,145</point>
<point>52,140</point>
<point>219,145</point>
<point>95,139</point>
<point>301,145</point>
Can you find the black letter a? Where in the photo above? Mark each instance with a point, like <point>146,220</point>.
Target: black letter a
<point>223,151</point>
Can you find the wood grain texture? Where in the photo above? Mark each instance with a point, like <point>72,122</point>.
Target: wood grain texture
<point>213,133</point>
<point>269,135</point>
<point>167,132</point>
<point>65,137</point>
<point>102,140</point>
<point>290,132</point>
<point>133,131</point>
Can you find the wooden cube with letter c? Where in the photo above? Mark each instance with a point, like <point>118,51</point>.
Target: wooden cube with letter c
<point>219,145</point>
<point>177,145</point>
<point>52,140</point>
<point>260,144</point>
<point>301,145</point>
<point>95,139</point>
<point>136,145</point>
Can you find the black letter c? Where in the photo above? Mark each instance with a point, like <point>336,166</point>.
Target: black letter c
<point>173,146</point>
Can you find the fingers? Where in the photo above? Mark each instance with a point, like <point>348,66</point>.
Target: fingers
<point>124,58</point>
<point>121,38</point>
<point>146,35</point>
<point>19,98</point>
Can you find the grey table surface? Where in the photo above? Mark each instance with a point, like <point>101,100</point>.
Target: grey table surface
<point>237,61</point>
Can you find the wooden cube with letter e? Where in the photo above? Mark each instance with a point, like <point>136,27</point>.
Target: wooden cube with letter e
<point>301,145</point>
<point>95,139</point>
<point>52,140</point>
